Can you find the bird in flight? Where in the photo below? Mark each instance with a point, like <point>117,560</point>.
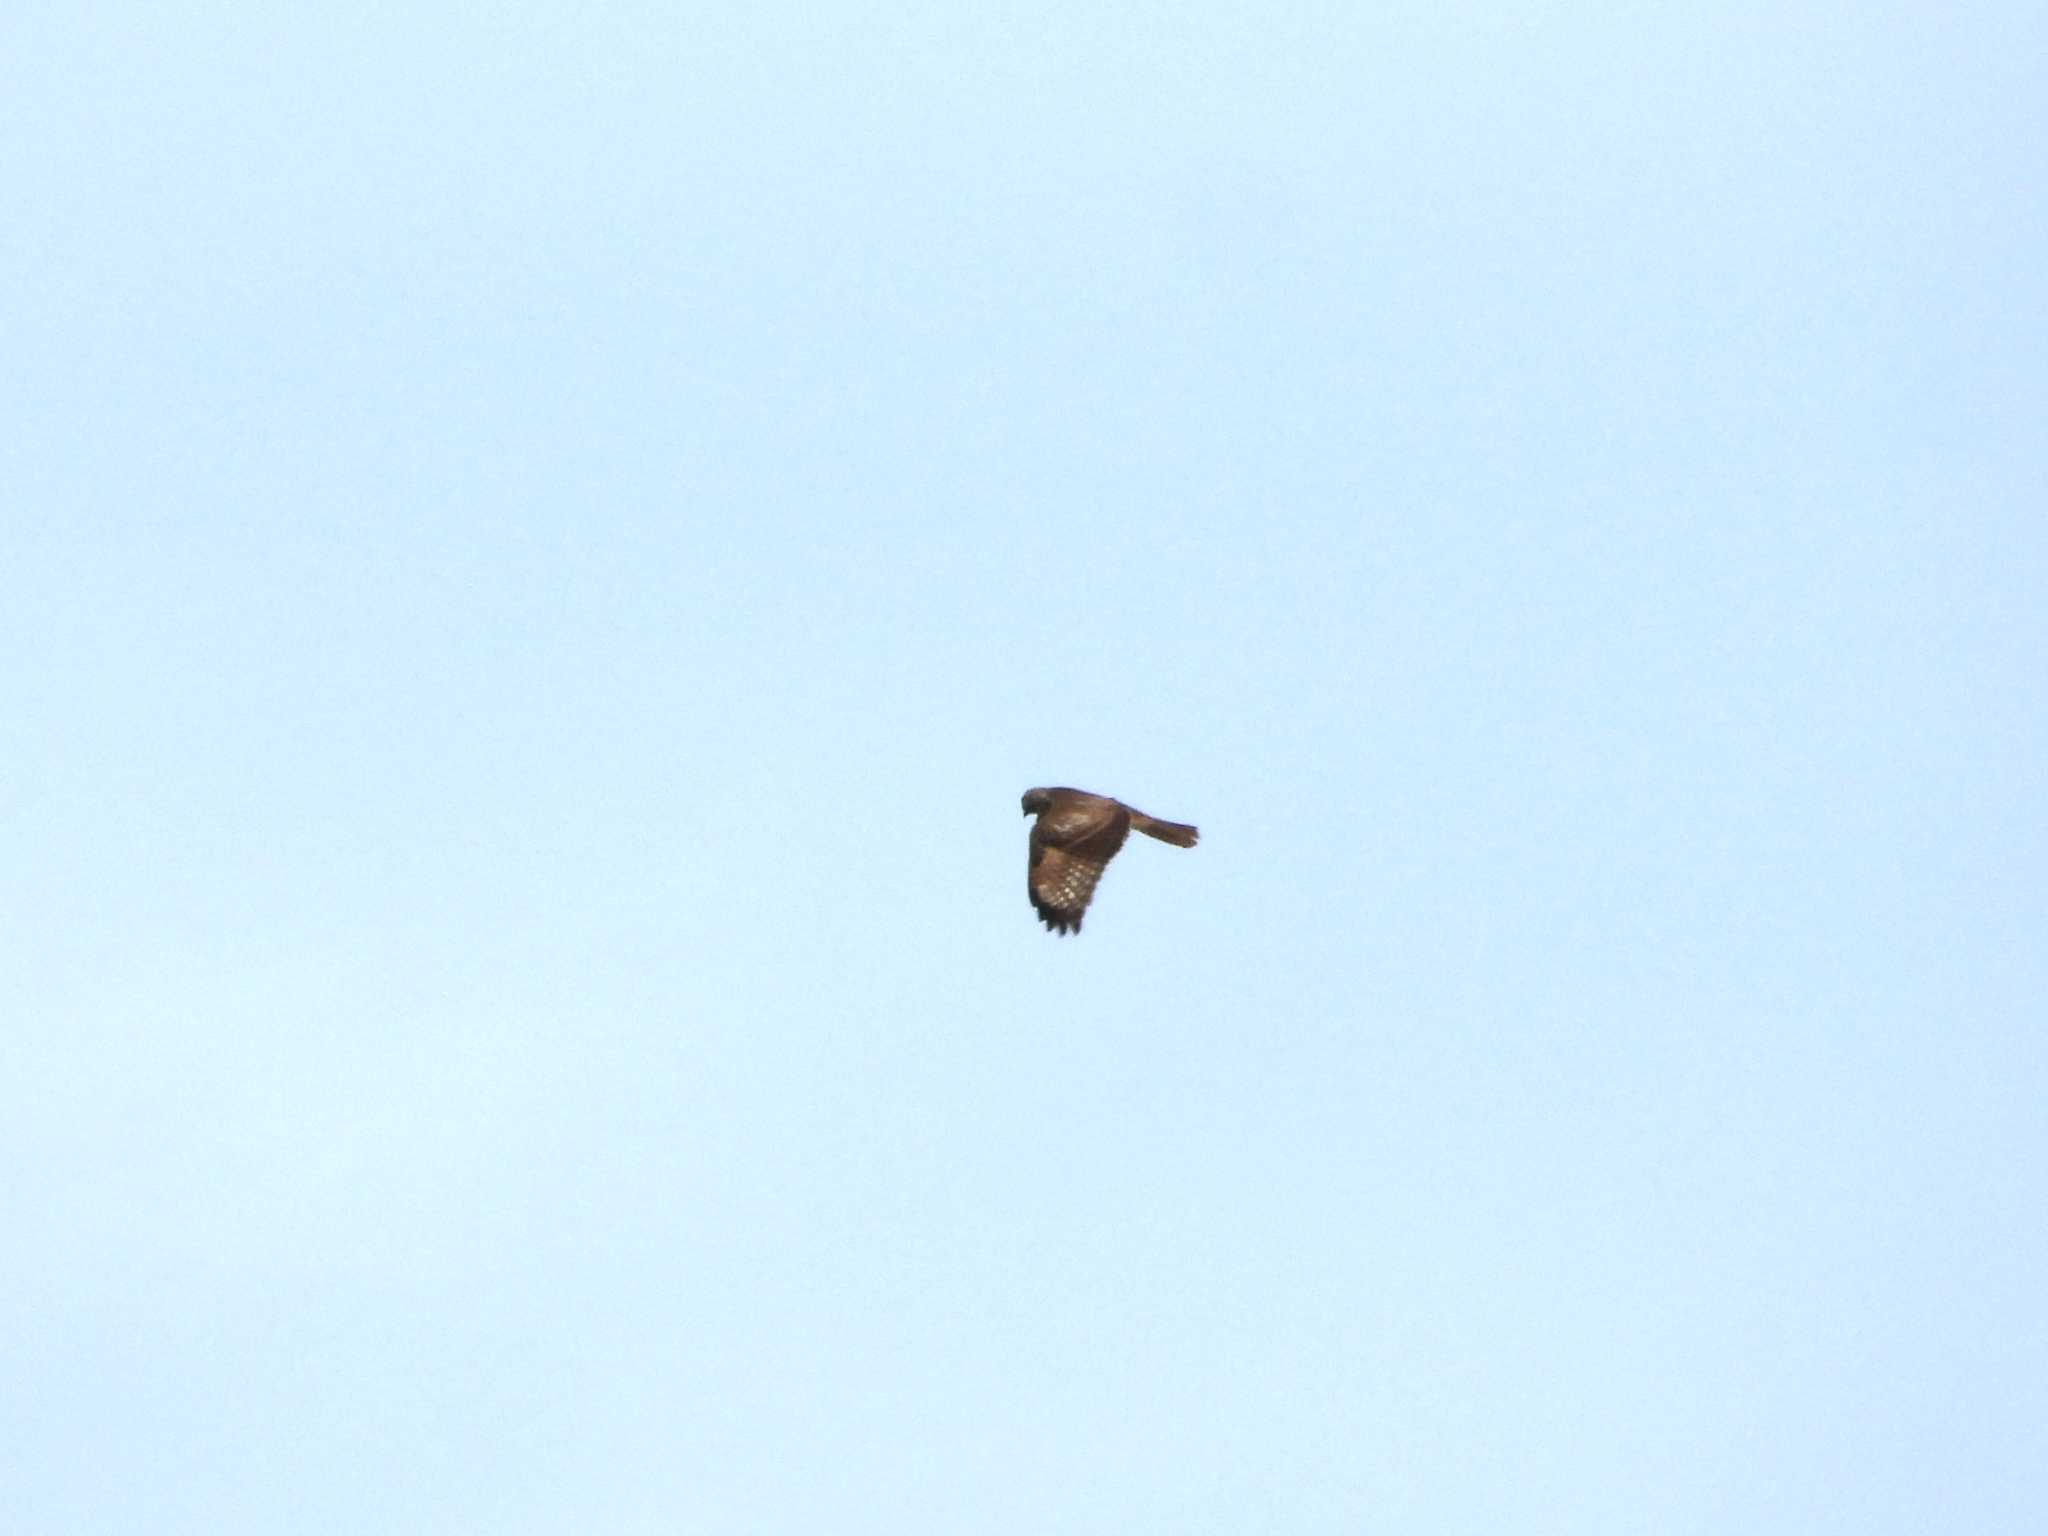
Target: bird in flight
<point>1073,840</point>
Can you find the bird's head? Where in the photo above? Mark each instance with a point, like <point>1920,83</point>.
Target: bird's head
<point>1036,800</point>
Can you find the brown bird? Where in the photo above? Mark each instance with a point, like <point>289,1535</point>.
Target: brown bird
<point>1073,840</point>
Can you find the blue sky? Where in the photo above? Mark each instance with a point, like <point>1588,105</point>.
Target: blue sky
<point>540,548</point>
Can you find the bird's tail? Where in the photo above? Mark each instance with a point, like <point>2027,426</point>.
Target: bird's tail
<point>1178,833</point>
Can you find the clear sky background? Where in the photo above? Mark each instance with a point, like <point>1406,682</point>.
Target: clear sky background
<point>542,543</point>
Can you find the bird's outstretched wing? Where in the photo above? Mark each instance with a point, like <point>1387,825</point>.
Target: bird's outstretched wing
<point>1062,884</point>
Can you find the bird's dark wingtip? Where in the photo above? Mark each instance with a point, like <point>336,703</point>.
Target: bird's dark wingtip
<point>1058,923</point>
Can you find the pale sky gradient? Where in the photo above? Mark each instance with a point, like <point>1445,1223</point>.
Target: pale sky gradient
<point>540,544</point>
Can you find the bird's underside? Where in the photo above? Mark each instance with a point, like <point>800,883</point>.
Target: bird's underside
<point>1073,840</point>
